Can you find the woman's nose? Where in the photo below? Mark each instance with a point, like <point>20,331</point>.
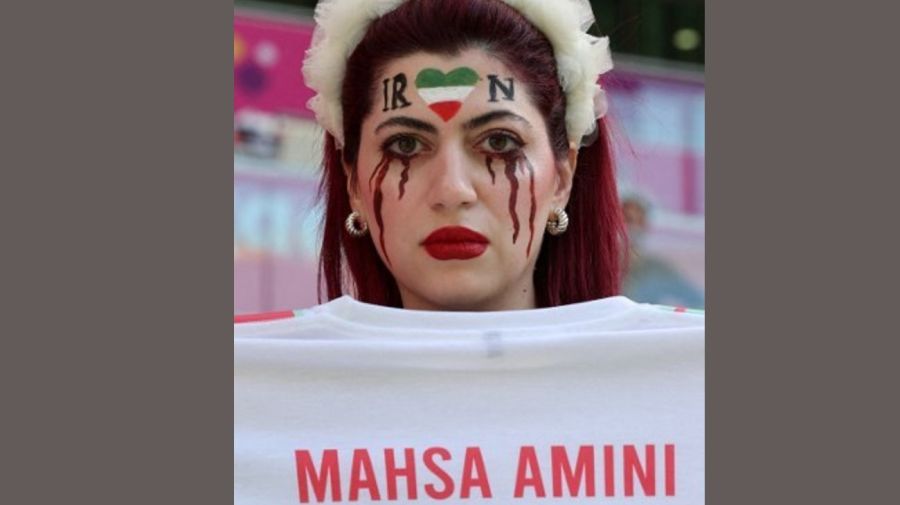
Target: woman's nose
<point>452,184</point>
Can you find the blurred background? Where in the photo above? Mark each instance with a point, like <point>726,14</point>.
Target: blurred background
<point>656,97</point>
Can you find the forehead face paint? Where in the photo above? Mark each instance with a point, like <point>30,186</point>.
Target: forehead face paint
<point>508,88</point>
<point>445,93</point>
<point>393,89</point>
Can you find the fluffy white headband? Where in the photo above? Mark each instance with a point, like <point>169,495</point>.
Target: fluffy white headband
<point>580,57</point>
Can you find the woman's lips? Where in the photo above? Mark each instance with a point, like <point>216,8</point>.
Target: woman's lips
<point>455,243</point>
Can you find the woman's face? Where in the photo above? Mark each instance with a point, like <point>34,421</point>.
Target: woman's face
<point>456,180</point>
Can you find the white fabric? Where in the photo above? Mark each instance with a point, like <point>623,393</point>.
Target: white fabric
<point>580,57</point>
<point>362,380</point>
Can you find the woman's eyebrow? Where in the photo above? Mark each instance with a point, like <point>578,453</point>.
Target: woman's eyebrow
<point>408,122</point>
<point>493,116</point>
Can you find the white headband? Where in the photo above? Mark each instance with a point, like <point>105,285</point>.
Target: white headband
<point>580,57</point>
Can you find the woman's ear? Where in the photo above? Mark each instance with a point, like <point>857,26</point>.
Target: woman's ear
<point>353,189</point>
<point>565,175</point>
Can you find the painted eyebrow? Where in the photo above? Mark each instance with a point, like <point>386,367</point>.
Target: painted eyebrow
<point>493,116</point>
<point>408,122</point>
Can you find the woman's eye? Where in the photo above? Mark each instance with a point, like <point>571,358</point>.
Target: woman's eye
<point>500,143</point>
<point>404,146</point>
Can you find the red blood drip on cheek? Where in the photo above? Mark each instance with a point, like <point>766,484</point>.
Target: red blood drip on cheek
<point>385,160</point>
<point>488,160</point>
<point>533,205</point>
<point>511,160</point>
<point>378,176</point>
<point>404,176</point>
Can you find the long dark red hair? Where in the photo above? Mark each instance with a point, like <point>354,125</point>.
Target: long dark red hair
<point>584,263</point>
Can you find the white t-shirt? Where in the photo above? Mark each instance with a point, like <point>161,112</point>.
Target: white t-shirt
<point>600,401</point>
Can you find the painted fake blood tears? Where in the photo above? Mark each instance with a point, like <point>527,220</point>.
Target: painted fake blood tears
<point>378,175</point>
<point>513,161</point>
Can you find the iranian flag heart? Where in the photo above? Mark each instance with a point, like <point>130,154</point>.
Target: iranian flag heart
<point>444,93</point>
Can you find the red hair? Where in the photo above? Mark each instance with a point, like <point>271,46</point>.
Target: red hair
<point>584,263</point>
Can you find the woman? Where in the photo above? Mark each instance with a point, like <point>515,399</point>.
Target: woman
<point>467,173</point>
<point>455,139</point>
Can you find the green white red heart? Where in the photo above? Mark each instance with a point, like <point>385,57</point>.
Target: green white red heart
<point>445,93</point>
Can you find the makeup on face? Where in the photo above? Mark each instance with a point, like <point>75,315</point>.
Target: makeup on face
<point>378,176</point>
<point>508,88</point>
<point>513,163</point>
<point>445,93</point>
<point>455,243</point>
<point>393,90</point>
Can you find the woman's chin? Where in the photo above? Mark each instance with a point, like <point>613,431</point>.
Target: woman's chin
<point>474,285</point>
<point>453,296</point>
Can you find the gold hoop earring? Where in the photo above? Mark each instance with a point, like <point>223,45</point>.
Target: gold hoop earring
<point>559,225</point>
<point>355,226</point>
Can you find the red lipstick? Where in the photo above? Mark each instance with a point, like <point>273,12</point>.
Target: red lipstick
<point>455,243</point>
